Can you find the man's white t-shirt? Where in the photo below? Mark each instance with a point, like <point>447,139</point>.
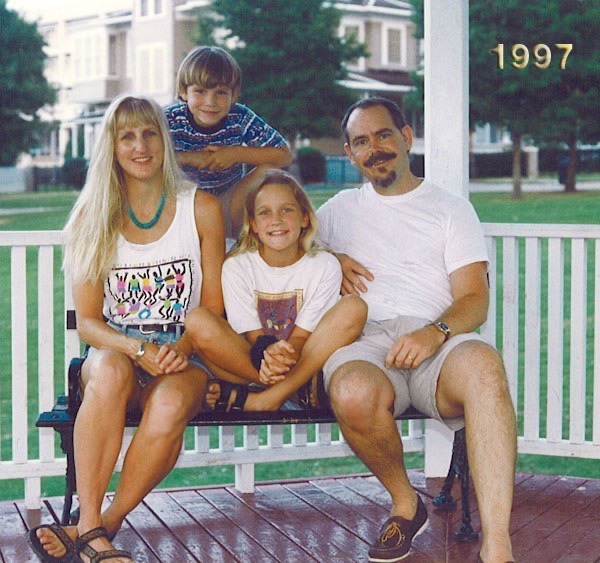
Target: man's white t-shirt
<point>410,243</point>
<point>257,295</point>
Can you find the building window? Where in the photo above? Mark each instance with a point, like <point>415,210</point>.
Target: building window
<point>97,55</point>
<point>87,57</point>
<point>355,30</point>
<point>112,55</point>
<point>151,8</point>
<point>77,59</point>
<point>151,65</point>
<point>394,46</point>
<point>351,31</point>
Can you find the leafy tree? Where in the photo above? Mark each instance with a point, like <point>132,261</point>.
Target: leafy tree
<point>509,96</point>
<point>575,116</point>
<point>23,87</point>
<point>547,104</point>
<point>291,59</point>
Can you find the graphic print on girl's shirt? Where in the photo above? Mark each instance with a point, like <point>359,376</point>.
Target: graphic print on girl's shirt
<point>278,311</point>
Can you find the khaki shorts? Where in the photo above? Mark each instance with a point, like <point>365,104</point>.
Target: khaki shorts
<point>412,387</point>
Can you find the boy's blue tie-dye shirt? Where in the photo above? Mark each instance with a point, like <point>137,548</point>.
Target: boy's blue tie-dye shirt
<point>241,127</point>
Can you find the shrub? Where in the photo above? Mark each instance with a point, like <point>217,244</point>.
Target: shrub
<point>74,171</point>
<point>311,164</point>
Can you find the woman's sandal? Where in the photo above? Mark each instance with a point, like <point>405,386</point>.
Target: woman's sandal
<point>63,538</point>
<point>82,547</point>
<point>225,403</point>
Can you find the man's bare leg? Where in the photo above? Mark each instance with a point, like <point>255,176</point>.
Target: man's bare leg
<point>473,379</point>
<point>362,399</point>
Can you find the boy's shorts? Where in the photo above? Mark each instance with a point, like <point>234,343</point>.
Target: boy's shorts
<point>416,387</point>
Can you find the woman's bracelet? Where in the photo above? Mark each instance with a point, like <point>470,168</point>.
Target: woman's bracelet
<point>140,353</point>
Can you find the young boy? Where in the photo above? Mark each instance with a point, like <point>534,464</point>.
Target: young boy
<point>215,137</point>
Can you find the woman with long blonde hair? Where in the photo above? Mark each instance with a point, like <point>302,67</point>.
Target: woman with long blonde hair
<point>285,316</point>
<point>143,248</point>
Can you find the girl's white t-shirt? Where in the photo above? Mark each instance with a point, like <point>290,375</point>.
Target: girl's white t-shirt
<point>276,299</point>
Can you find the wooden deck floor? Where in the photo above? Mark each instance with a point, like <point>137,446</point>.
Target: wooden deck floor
<point>328,520</point>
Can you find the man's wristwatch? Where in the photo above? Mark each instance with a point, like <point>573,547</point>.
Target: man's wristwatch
<point>444,328</point>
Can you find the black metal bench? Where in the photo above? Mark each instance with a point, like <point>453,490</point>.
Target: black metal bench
<point>62,418</point>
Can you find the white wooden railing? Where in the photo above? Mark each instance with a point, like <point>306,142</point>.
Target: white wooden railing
<point>545,305</point>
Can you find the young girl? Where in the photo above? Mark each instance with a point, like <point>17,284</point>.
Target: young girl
<point>285,316</point>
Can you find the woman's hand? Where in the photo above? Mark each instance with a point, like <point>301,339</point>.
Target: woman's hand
<point>171,359</point>
<point>162,360</point>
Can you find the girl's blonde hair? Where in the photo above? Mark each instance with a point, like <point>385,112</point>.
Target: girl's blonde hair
<point>96,219</point>
<point>248,241</point>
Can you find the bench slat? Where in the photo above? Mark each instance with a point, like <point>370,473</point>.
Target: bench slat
<point>60,416</point>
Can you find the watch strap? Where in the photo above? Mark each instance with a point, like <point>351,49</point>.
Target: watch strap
<point>443,328</point>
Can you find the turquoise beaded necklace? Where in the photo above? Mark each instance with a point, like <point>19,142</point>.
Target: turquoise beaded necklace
<point>152,221</point>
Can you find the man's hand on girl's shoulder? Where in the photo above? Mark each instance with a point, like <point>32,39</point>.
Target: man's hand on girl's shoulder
<point>353,272</point>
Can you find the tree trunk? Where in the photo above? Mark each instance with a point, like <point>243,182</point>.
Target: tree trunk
<point>571,165</point>
<point>516,166</point>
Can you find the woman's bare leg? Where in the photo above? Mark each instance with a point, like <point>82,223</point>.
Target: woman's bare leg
<point>110,386</point>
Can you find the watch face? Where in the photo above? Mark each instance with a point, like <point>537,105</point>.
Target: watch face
<point>443,326</point>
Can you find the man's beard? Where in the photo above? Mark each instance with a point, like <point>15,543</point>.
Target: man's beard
<point>387,181</point>
<point>376,160</point>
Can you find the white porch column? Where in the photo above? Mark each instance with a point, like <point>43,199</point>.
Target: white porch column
<point>446,143</point>
<point>88,140</point>
<point>447,94</point>
<point>74,140</point>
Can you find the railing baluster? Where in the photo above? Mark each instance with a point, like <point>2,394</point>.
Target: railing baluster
<point>323,434</point>
<point>488,330</point>
<point>531,373</point>
<point>201,439</point>
<point>510,309</point>
<point>19,353</point>
<point>275,436</point>
<point>596,385</point>
<point>577,372</point>
<point>45,326</point>
<point>555,339</point>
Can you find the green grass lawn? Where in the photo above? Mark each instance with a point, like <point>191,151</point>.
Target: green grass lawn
<point>49,210</point>
<point>556,207</point>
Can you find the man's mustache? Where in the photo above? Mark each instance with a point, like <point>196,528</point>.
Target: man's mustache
<point>379,157</point>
